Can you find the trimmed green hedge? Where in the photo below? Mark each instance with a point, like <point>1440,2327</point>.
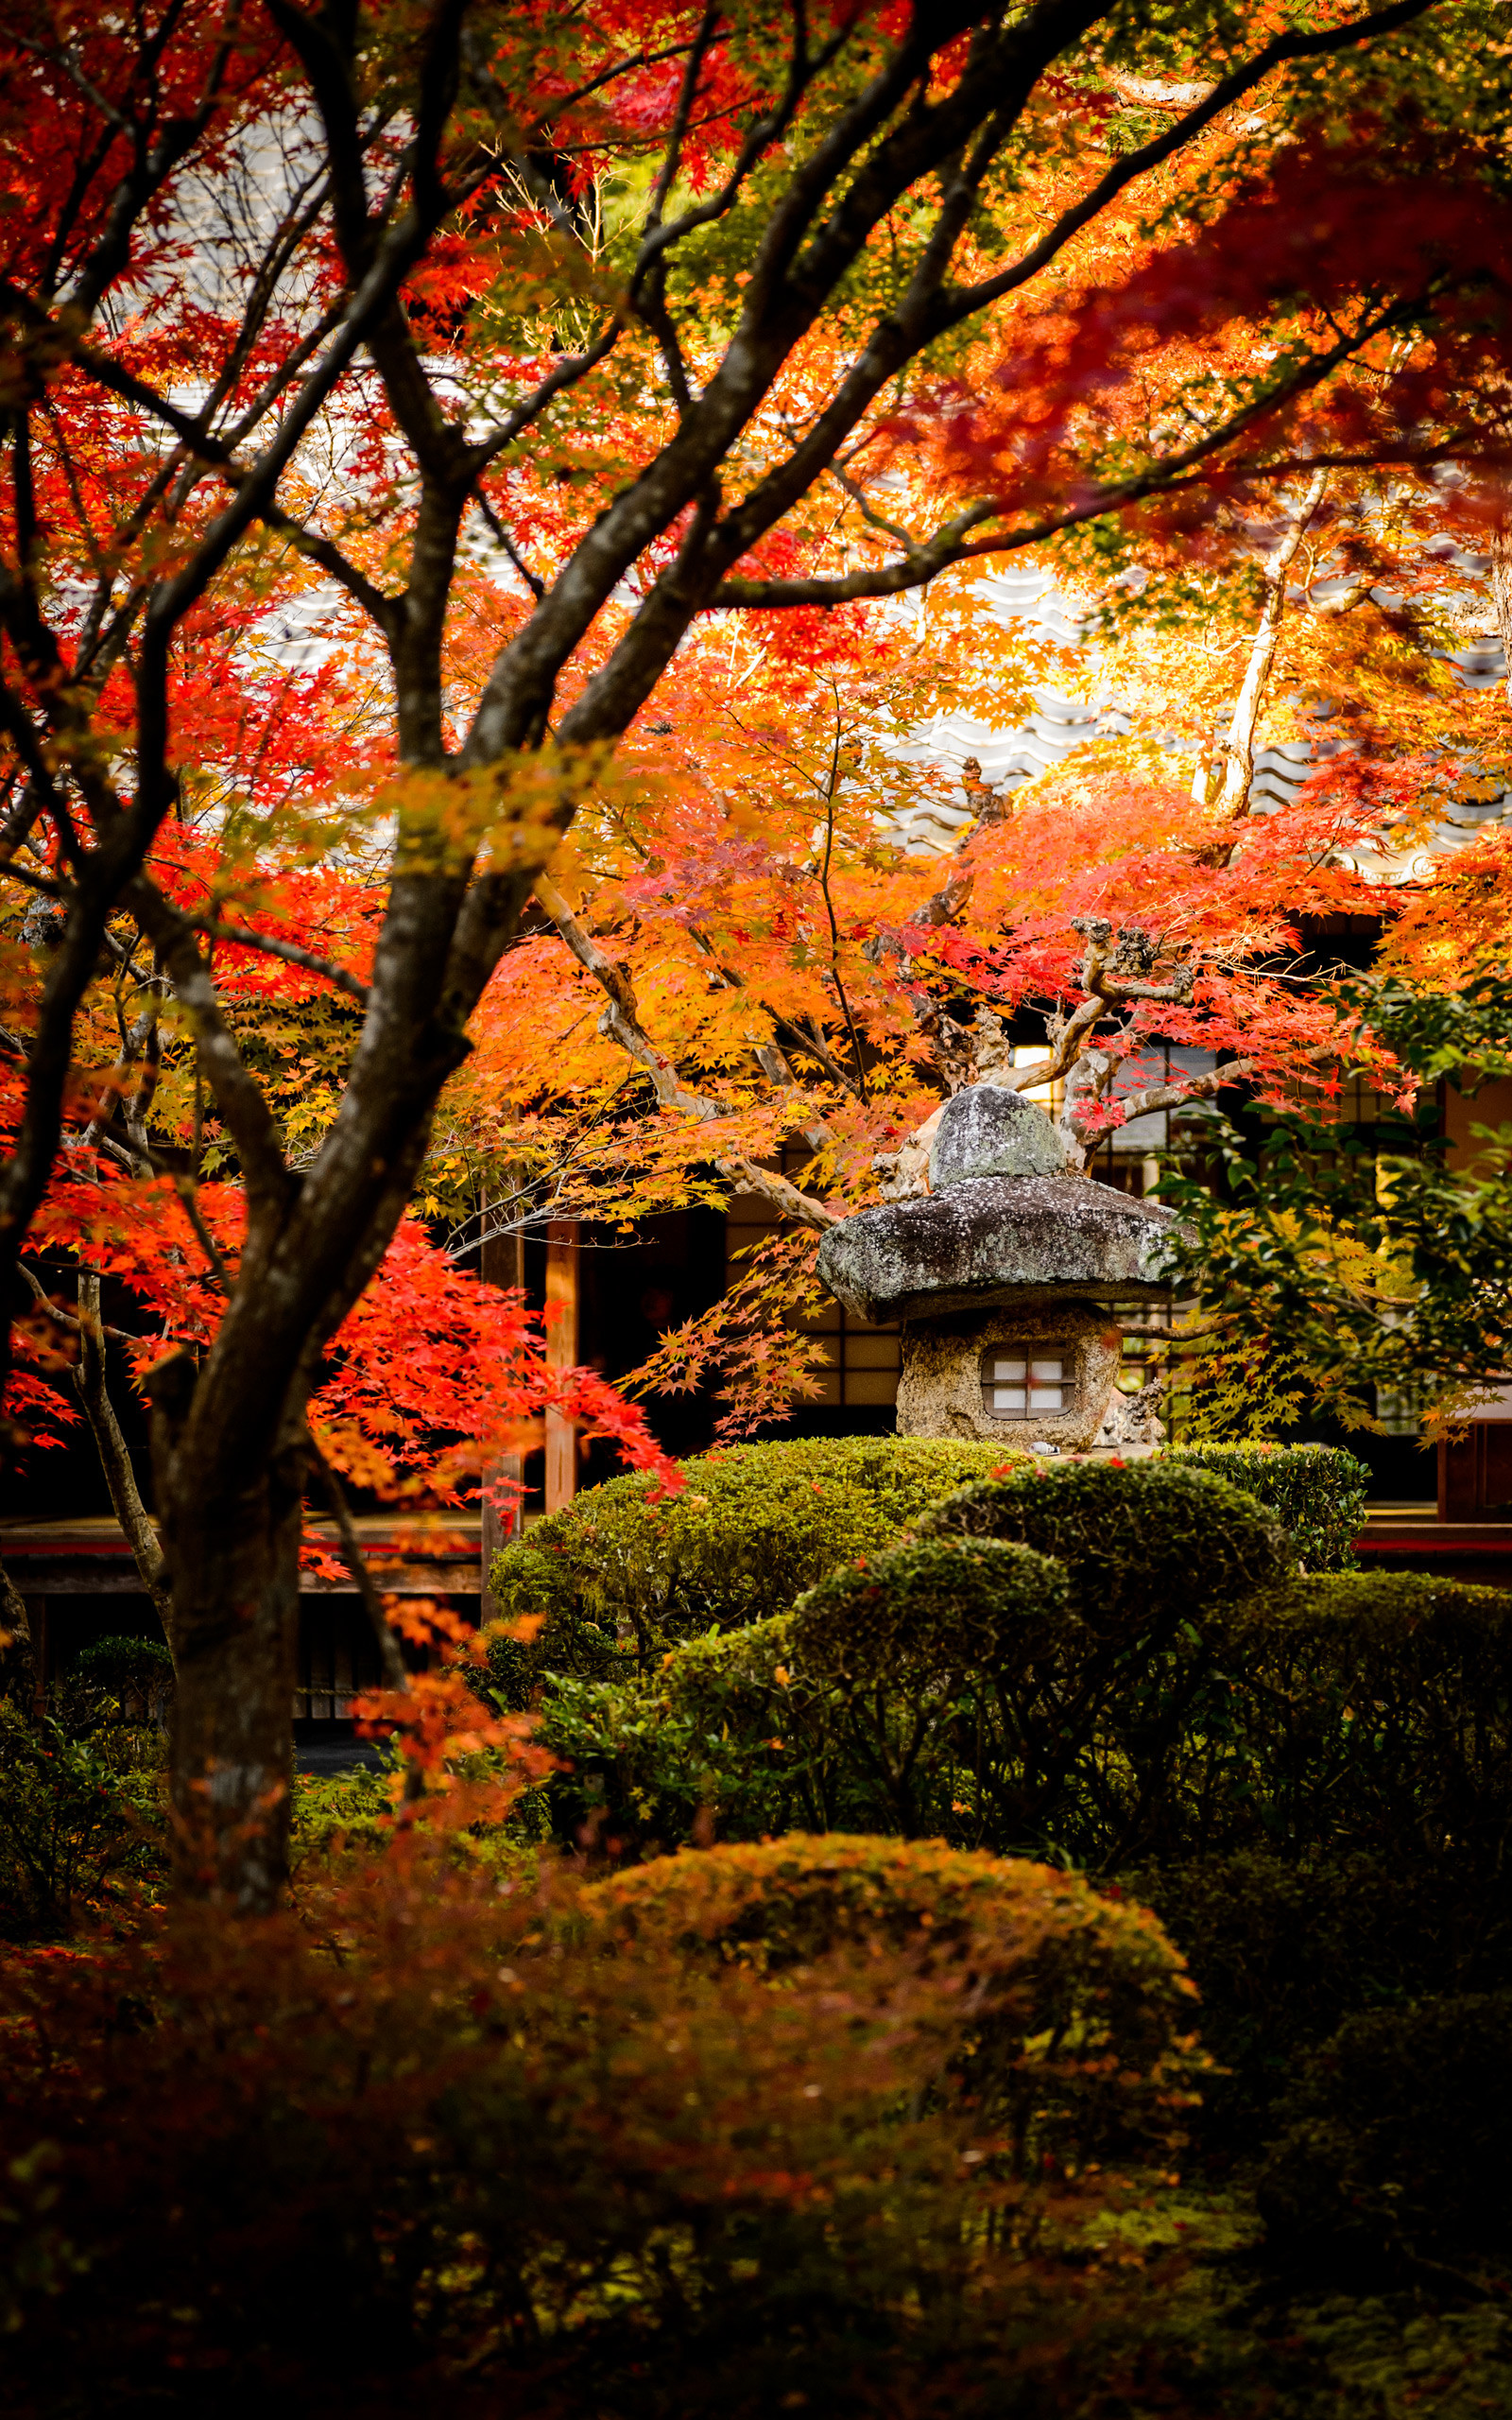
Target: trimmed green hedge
<point>950,1688</point>
<point>1033,1707</point>
<point>620,1574</point>
<point>1363,1712</point>
<point>1145,1542</point>
<point>1285,1948</point>
<point>942,1604</point>
<point>1317,1493</point>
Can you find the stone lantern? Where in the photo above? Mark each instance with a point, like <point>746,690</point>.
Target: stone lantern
<point>1004,1276</point>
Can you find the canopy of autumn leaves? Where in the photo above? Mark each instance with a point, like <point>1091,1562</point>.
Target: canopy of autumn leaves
<point>1162,315</point>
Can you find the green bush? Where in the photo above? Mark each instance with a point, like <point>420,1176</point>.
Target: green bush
<point>939,1606</point>
<point>844,1713</point>
<point>1397,2148</point>
<point>729,1733</point>
<point>78,1824</point>
<point>1075,2014</point>
<point>1283,1948</point>
<point>621,1574</point>
<point>1147,1543</point>
<point>1363,1712</point>
<point>1317,1493</point>
<point>907,1651</point>
<point>136,1675</point>
<point>1069,1740</point>
<point>935,1688</point>
<point>955,1688</point>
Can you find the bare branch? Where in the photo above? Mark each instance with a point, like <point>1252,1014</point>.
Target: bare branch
<point>1154,1097</point>
<point>1239,747</point>
<point>1148,93</point>
<point>238,1096</point>
<point>90,1385</point>
<point>390,1653</point>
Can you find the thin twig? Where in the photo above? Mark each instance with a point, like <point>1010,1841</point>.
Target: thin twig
<point>244,938</point>
<point>390,1652</point>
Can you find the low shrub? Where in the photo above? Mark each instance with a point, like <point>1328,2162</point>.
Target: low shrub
<point>979,1690</point>
<point>729,1739</point>
<point>437,2147</point>
<point>932,1660</point>
<point>844,1713</point>
<point>621,1574</point>
<point>1069,2031</point>
<point>330,1814</point>
<point>1368,1713</point>
<point>1397,2146</point>
<point>939,1606</point>
<point>1070,1740</point>
<point>1317,1493</point>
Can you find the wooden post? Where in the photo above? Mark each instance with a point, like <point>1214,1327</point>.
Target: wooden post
<point>561,1354</point>
<point>503,1265</point>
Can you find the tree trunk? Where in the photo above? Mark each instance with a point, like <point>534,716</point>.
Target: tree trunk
<point>503,1265</point>
<point>562,1250</point>
<point>232,1551</point>
<point>1502,594</point>
<point>1239,747</point>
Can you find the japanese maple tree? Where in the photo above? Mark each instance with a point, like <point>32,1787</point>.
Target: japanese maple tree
<point>389,393</point>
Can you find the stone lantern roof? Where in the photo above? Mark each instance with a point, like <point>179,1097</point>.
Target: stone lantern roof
<point>1004,1222</point>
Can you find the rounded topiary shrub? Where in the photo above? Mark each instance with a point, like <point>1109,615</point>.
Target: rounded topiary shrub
<point>622,1571</point>
<point>1136,1538</point>
<point>1075,2012</point>
<point>1317,1493</point>
<point>938,1606</point>
<point>1371,1713</point>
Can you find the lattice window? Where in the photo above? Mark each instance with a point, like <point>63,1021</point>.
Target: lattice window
<point>1024,1381</point>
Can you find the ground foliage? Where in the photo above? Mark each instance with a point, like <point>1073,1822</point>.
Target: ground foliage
<point>1391,2159</point>
<point>432,2138</point>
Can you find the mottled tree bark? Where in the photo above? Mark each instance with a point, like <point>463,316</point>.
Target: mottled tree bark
<point>232,1553</point>
<point>1502,594</point>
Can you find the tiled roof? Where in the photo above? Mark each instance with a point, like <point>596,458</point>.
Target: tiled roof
<point>1060,724</point>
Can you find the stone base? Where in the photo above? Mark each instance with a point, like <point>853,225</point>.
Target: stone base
<point>939,1393</point>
